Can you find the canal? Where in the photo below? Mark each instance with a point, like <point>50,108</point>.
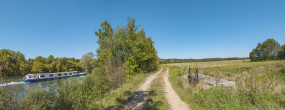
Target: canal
<point>17,82</point>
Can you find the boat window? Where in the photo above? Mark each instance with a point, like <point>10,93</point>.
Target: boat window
<point>70,73</point>
<point>51,75</point>
<point>74,73</point>
<point>42,75</point>
<point>65,73</point>
<point>58,74</point>
<point>30,76</point>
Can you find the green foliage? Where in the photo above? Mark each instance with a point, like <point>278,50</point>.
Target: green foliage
<point>14,63</point>
<point>11,62</point>
<point>9,98</point>
<point>88,61</point>
<point>265,51</point>
<point>38,99</point>
<point>127,44</point>
<point>70,94</point>
<point>281,52</point>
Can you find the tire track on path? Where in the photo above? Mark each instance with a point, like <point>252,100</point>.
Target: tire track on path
<point>171,96</point>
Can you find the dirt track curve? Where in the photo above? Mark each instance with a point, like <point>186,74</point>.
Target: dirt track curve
<point>137,101</point>
<point>171,96</point>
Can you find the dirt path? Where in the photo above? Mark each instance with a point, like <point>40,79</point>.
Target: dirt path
<point>137,101</point>
<point>171,96</point>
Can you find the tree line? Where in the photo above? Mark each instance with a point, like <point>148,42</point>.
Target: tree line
<point>14,63</point>
<point>174,60</point>
<point>268,50</point>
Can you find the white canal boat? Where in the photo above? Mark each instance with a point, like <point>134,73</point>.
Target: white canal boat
<point>51,76</point>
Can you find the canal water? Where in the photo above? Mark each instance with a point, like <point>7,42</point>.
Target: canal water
<point>26,85</point>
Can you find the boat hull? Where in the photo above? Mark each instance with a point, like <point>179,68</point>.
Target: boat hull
<point>48,79</point>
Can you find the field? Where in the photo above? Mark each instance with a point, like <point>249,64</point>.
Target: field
<point>259,85</point>
<point>241,63</point>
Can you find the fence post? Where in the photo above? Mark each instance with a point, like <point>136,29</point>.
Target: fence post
<point>189,75</point>
<point>1,73</point>
<point>197,72</point>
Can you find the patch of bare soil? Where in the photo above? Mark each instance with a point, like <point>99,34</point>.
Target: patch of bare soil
<point>138,100</point>
<point>171,96</point>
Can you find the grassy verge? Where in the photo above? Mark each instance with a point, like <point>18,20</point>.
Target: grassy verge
<point>116,98</point>
<point>156,99</point>
<point>259,85</point>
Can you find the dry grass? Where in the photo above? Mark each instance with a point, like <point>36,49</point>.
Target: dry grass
<point>223,63</point>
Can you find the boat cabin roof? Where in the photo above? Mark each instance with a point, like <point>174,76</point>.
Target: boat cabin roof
<point>53,73</point>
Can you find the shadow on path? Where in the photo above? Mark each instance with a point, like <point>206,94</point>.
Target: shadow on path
<point>137,101</point>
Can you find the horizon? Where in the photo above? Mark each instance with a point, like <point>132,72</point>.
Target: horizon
<point>181,30</point>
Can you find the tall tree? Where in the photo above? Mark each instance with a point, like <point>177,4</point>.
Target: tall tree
<point>281,52</point>
<point>50,59</point>
<point>40,59</point>
<point>11,62</point>
<point>265,51</point>
<point>127,44</point>
<point>86,61</point>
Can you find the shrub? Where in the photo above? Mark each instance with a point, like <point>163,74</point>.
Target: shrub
<point>38,99</point>
<point>9,98</point>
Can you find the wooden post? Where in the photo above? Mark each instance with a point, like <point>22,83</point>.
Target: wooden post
<point>189,75</point>
<point>1,73</point>
<point>197,72</point>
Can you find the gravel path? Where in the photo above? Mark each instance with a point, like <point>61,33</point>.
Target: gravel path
<point>137,101</point>
<point>171,96</point>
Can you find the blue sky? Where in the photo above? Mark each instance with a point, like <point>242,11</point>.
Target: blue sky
<point>180,29</point>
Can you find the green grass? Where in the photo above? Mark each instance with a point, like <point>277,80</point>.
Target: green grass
<point>259,85</point>
<point>156,99</point>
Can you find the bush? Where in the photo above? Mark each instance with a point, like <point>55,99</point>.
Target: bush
<point>9,98</point>
<point>38,99</point>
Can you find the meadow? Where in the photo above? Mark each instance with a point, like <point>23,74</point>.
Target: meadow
<point>259,85</point>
